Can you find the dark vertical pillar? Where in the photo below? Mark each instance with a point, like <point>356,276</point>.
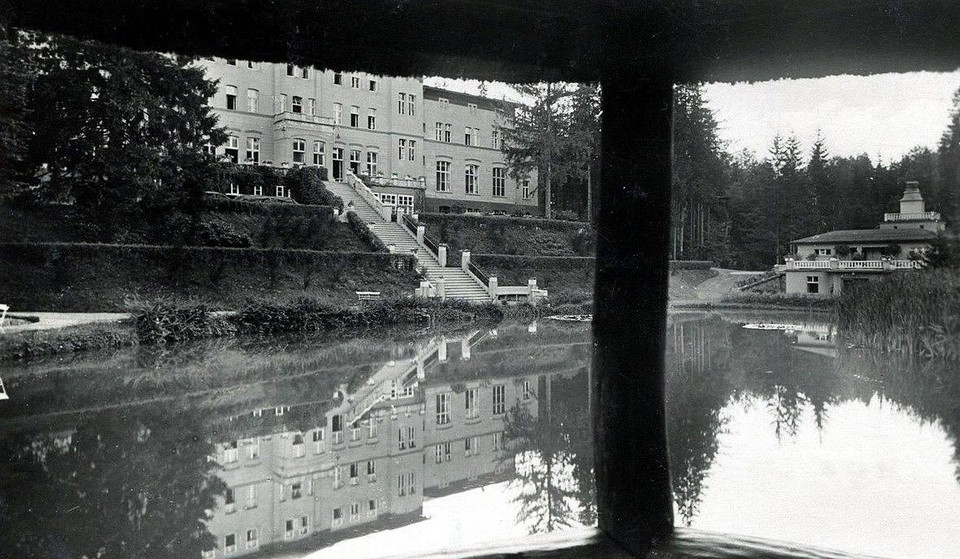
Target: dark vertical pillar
<point>632,471</point>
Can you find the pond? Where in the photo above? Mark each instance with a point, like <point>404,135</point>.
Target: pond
<point>400,443</point>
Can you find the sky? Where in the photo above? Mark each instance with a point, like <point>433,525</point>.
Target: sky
<point>883,115</point>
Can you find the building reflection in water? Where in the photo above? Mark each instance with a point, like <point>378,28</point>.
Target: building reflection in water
<point>296,461</point>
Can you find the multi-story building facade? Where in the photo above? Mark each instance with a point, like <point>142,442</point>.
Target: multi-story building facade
<point>419,148</point>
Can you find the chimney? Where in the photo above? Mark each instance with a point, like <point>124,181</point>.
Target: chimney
<point>912,201</point>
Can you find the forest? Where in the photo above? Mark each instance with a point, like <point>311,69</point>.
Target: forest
<point>740,210</point>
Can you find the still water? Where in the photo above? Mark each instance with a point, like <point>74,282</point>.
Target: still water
<point>400,443</point>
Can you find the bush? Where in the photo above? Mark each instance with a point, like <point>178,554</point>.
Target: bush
<point>86,337</point>
<point>216,234</point>
<point>164,323</point>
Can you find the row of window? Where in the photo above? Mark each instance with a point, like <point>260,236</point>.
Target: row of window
<point>471,447</point>
<point>355,81</point>
<point>407,104</point>
<point>230,543</point>
<point>337,517</point>
<point>471,175</point>
<point>354,116</point>
<point>249,494</point>
<point>354,470</point>
<point>230,452</point>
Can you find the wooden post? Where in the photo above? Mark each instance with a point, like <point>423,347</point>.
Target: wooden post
<point>635,505</point>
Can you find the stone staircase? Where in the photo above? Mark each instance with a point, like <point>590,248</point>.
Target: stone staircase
<point>458,284</point>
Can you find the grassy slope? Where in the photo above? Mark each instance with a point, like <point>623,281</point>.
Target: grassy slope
<point>505,235</point>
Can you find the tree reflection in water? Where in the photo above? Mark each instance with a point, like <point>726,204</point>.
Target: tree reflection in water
<point>713,363</point>
<point>553,456</point>
<point>119,485</point>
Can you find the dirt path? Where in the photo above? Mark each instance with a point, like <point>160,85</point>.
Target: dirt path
<point>724,283</point>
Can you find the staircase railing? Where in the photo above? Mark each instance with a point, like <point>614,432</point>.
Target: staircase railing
<point>478,274</point>
<point>368,195</point>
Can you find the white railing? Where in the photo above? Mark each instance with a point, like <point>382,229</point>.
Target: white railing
<point>368,196</point>
<point>847,265</point>
<point>303,117</point>
<point>920,216</point>
<point>811,264</point>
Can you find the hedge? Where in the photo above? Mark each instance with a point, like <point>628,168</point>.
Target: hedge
<point>565,277</point>
<point>361,230</point>
<point>100,277</point>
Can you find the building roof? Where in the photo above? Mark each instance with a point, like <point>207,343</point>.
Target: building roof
<point>464,99</point>
<point>868,236</point>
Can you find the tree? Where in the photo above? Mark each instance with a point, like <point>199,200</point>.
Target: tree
<point>15,71</point>
<point>118,133</point>
<point>584,141</point>
<point>537,136</point>
<point>700,166</point>
<point>948,197</point>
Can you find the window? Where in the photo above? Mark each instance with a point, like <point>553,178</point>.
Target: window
<point>444,103</point>
<point>822,251</point>
<point>372,171</point>
<point>813,284</point>
<point>319,155</point>
<point>282,103</point>
<point>319,445</point>
<point>495,139</point>
<point>443,409</point>
<point>355,116</point>
<point>470,403</point>
<point>527,390</point>
<point>411,105</point>
<point>288,529</point>
<point>296,490</point>
<point>298,446</point>
<point>497,441</point>
<point>525,190</point>
<point>337,114</point>
<point>412,482</point>
<point>371,119</point>
<point>337,78</point>
<point>209,149</point>
<point>234,188</point>
<point>470,179</point>
<point>439,132</point>
<point>230,452</point>
<point>253,100</point>
<point>290,69</point>
<point>402,104</point>
<point>231,97</point>
<point>499,181</point>
<point>467,136</point>
<point>304,525</point>
<point>372,422</point>
<point>252,497</point>
<point>473,108</point>
<point>372,507</point>
<point>354,474</point>
<point>403,485</point>
<point>406,200</point>
<point>355,161</point>
<point>355,433</point>
<point>443,176</point>
<point>232,61</point>
<point>355,82</point>
<point>253,449</point>
<point>401,442</point>
<point>305,73</point>
<point>253,538</point>
<point>230,543</point>
<point>296,104</point>
<point>258,190</point>
<point>229,502</point>
<point>439,456</point>
<point>299,147</point>
<point>373,85</point>
<point>499,399</point>
<point>412,150</point>
<point>312,106</point>
<point>371,470</point>
<point>337,429</point>
<point>401,149</point>
<point>253,150</point>
<point>447,455</point>
<point>411,437</point>
<point>354,512</point>
<point>446,132</point>
<point>337,517</point>
<point>471,446</point>
<point>253,65</point>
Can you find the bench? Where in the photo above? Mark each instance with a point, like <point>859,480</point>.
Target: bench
<point>368,295</point>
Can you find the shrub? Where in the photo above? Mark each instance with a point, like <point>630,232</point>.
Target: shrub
<point>164,323</point>
<point>86,337</point>
<point>217,234</point>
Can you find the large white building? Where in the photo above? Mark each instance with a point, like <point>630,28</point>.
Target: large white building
<point>419,148</point>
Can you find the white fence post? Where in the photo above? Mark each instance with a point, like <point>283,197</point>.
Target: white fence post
<point>442,255</point>
<point>465,260</point>
<point>421,231</point>
<point>492,287</point>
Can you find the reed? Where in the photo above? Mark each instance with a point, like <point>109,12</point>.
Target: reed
<point>909,314</point>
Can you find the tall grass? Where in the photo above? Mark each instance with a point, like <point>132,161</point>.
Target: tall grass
<point>910,314</point>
